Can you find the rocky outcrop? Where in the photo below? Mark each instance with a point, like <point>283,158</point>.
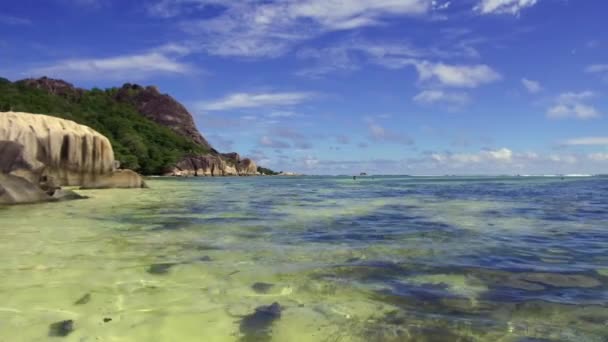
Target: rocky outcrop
<point>53,86</point>
<point>162,109</point>
<point>214,165</point>
<point>50,152</point>
<point>166,111</point>
<point>247,167</point>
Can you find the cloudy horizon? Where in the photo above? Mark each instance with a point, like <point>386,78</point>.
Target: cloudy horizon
<point>421,87</point>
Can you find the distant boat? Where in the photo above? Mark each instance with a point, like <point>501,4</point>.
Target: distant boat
<point>363,174</point>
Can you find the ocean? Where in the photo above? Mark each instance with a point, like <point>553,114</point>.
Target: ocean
<point>312,259</point>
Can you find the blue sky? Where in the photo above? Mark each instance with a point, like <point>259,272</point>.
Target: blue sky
<point>339,87</point>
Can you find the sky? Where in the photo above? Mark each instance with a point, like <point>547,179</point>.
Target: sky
<point>420,87</point>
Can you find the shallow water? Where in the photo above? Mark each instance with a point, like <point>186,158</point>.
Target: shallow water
<point>377,259</point>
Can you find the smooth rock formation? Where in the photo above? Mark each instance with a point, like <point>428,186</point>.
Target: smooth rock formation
<point>119,179</point>
<point>39,154</point>
<point>16,190</point>
<point>41,147</point>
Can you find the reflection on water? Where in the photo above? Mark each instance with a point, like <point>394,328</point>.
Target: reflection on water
<point>311,259</point>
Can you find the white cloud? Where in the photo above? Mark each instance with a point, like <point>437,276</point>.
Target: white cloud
<point>379,133</point>
<point>503,155</point>
<point>441,96</point>
<point>120,67</point>
<point>573,105</point>
<point>267,141</point>
<point>503,6</point>
<point>270,29</point>
<point>531,86</point>
<point>599,157</point>
<point>256,100</point>
<point>597,68</point>
<point>464,76</point>
<point>588,141</point>
<point>11,20</point>
<point>281,114</point>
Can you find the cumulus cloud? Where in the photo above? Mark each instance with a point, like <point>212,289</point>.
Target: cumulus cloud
<point>503,6</point>
<point>573,105</point>
<point>464,76</point>
<point>531,86</point>
<point>255,100</point>
<point>135,66</point>
<point>443,97</point>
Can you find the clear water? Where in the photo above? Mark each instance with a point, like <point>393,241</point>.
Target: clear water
<point>377,259</point>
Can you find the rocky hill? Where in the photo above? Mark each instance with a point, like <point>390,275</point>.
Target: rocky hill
<point>151,132</point>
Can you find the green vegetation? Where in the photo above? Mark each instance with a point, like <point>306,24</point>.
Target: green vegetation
<point>139,143</point>
<point>267,172</point>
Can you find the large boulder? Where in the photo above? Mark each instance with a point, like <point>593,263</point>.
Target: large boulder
<point>247,167</point>
<point>51,152</point>
<point>119,179</point>
<point>17,190</point>
<point>49,147</point>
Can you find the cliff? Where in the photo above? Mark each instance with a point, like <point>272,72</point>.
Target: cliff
<point>150,132</point>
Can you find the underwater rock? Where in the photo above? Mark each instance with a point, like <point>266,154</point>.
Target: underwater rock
<point>205,258</point>
<point>107,320</point>
<point>262,287</point>
<point>61,329</point>
<point>160,268</point>
<point>257,326</point>
<point>83,300</point>
<point>561,280</point>
<point>67,195</point>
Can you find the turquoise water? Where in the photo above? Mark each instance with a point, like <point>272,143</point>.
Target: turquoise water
<point>377,259</point>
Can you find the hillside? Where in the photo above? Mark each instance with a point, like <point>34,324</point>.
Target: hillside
<point>151,132</point>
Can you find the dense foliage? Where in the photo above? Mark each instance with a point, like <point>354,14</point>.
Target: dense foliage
<point>267,172</point>
<point>139,143</point>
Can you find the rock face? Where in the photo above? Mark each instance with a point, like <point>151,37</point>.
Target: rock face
<point>162,109</point>
<point>49,152</point>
